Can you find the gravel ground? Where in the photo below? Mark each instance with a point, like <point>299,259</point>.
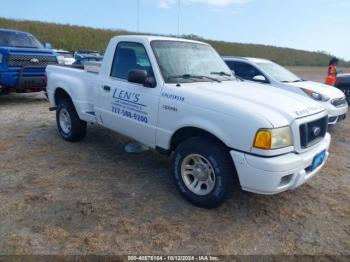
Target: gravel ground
<point>314,73</point>
<point>93,198</point>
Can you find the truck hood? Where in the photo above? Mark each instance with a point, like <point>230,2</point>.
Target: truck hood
<point>22,50</point>
<point>323,89</point>
<point>277,106</point>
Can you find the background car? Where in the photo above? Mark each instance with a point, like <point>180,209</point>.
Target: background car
<point>65,57</point>
<point>267,72</point>
<point>86,53</point>
<point>343,83</point>
<point>23,60</point>
<point>80,62</point>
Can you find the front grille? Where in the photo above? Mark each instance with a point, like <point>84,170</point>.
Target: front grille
<point>311,133</point>
<point>339,102</point>
<point>30,60</point>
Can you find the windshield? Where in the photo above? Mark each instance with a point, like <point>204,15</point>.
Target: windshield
<point>182,62</point>
<point>18,39</point>
<point>279,73</point>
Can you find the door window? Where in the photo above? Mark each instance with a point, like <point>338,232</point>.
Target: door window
<point>245,71</point>
<point>129,56</point>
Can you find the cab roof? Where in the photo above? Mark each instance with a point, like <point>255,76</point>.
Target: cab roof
<point>13,31</point>
<point>150,38</point>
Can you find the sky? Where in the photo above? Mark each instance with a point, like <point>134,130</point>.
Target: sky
<point>316,25</point>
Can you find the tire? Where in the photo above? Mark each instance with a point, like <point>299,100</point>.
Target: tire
<point>203,172</point>
<point>70,127</point>
<point>347,95</point>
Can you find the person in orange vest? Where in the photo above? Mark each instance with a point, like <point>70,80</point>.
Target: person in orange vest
<point>332,72</point>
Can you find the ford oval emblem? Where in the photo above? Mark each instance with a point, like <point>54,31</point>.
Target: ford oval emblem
<point>316,131</point>
<point>34,61</point>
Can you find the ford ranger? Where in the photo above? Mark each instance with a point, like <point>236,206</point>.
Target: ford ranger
<point>180,98</point>
<point>23,60</point>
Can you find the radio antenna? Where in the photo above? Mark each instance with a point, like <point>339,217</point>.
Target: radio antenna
<point>178,17</point>
<point>138,16</point>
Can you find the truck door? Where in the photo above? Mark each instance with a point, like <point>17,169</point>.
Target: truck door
<point>128,108</point>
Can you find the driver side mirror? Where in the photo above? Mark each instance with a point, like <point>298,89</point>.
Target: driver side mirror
<point>48,45</point>
<point>141,77</point>
<point>260,78</point>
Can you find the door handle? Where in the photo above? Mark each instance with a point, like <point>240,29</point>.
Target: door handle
<point>107,88</point>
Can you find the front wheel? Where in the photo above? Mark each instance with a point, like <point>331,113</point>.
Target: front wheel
<point>203,172</point>
<point>70,127</point>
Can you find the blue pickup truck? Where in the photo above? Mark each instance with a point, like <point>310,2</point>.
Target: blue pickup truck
<point>23,60</point>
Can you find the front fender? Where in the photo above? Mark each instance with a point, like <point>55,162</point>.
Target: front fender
<point>236,133</point>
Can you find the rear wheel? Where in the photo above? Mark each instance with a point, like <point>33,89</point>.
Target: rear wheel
<point>70,127</point>
<point>203,172</point>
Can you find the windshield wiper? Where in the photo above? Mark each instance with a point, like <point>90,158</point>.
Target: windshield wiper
<point>295,81</point>
<point>222,73</point>
<point>240,78</point>
<point>189,76</point>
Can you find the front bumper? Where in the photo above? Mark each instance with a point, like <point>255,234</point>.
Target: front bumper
<point>23,78</point>
<point>336,114</point>
<point>274,175</point>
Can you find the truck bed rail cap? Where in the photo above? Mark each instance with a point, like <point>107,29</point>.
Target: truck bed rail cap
<point>92,67</point>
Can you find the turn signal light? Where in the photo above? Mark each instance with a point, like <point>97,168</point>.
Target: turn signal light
<point>263,140</point>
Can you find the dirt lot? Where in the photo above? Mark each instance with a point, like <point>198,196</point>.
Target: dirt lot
<point>317,74</point>
<point>93,198</point>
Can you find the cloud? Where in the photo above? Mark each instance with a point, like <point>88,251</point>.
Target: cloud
<point>217,3</point>
<point>220,3</point>
<point>163,3</point>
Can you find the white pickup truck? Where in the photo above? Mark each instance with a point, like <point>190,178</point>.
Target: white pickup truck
<point>179,97</point>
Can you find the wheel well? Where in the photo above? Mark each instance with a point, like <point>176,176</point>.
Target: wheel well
<point>188,132</point>
<point>185,133</point>
<point>60,94</point>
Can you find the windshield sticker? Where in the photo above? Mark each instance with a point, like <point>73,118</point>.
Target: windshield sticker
<point>128,105</point>
<point>173,97</point>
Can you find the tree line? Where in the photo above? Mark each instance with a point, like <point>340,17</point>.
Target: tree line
<point>72,38</point>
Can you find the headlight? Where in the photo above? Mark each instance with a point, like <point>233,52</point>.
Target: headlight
<point>270,139</point>
<point>316,96</point>
<point>1,56</point>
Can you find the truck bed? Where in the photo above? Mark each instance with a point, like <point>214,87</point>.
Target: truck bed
<point>80,84</point>
<point>91,67</point>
